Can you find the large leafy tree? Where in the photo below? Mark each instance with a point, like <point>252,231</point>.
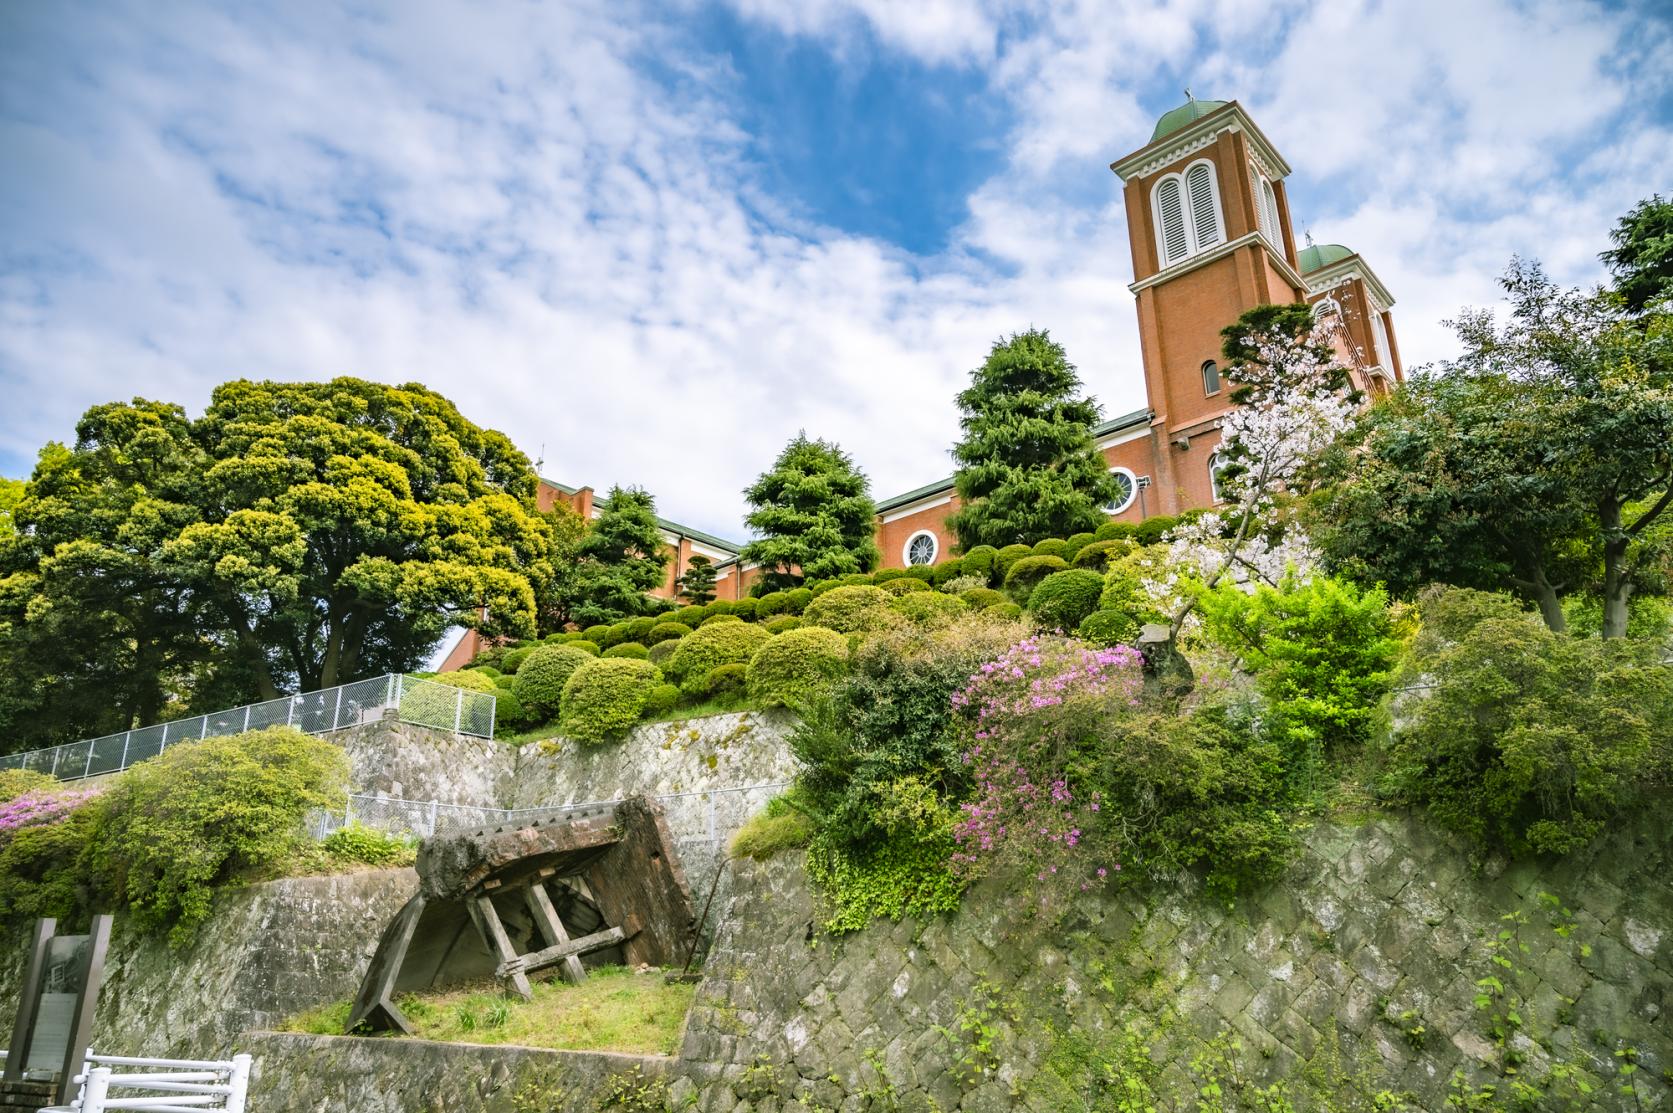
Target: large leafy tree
<point>1549,462</point>
<point>619,560</point>
<point>298,535</point>
<point>11,490</point>
<point>1642,258</point>
<point>814,514</point>
<point>1027,465</point>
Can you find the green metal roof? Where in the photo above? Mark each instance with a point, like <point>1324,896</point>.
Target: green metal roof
<point>1316,256</point>
<point>1176,118</point>
<point>1115,424</point>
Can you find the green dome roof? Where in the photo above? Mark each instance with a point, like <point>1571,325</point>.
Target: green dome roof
<point>1176,118</point>
<point>1314,256</point>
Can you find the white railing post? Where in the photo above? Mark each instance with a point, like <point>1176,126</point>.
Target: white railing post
<point>95,1090</point>
<point>126,738</point>
<point>203,731</point>
<point>239,1083</point>
<point>337,711</point>
<point>389,690</point>
<point>164,743</point>
<point>290,709</point>
<point>400,688</point>
<point>493,715</point>
<point>458,709</point>
<point>87,770</point>
<point>247,708</point>
<point>57,752</point>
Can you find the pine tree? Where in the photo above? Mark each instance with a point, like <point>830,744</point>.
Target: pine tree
<point>814,514</point>
<point>621,558</point>
<point>1027,466</point>
<point>697,586</point>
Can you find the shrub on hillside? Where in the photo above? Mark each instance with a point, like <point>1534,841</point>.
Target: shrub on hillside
<point>851,610</point>
<point>587,646</point>
<point>661,651</point>
<point>772,831</point>
<point>1527,739</point>
<point>604,698</point>
<point>797,667</point>
<point>714,618</point>
<point>1051,546</point>
<point>486,670</point>
<point>688,616</point>
<point>1064,599</point>
<point>666,631</point>
<point>509,712</point>
<point>616,634</point>
<point>1025,575</point>
<point>596,634</point>
<point>1150,531</point>
<point>853,579</point>
<point>1115,531</point>
<point>885,575</point>
<point>725,684</point>
<point>771,604</point>
<point>639,629</point>
<point>200,813</point>
<point>1075,544</point>
<point>928,607</point>
<point>1098,555</point>
<point>368,846</point>
<point>710,646</point>
<point>1125,584</point>
<point>45,833</point>
<point>513,660</point>
<point>979,562</point>
<point>435,702</point>
<point>628,649</point>
<point>778,624</point>
<point>504,684</point>
<point>16,782</point>
<point>1004,558</point>
<point>662,699</point>
<point>541,680</point>
<point>1004,612</point>
<point>799,598</point>
<point>1109,628</point>
<point>904,584</point>
<point>946,571</point>
<point>981,598</point>
<point>746,609</point>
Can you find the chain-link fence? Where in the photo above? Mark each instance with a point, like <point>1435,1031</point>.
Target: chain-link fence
<point>709,815</point>
<point>421,702</point>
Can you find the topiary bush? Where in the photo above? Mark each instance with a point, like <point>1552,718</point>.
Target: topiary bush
<point>1005,611</point>
<point>1100,554</point>
<point>689,617</point>
<point>590,648</point>
<point>666,631</point>
<point>1109,628</point>
<point>905,584</point>
<point>853,579</point>
<point>616,634</point>
<point>979,561</point>
<point>1064,599</point>
<point>778,624</point>
<point>746,609</point>
<point>662,699</point>
<point>797,667</point>
<point>596,634</point>
<point>513,660</point>
<point>714,618</point>
<point>509,710</point>
<point>198,814</point>
<point>946,571</point>
<point>887,575</point>
<point>1075,544</point>
<point>771,604</point>
<point>798,598</point>
<point>486,670</point>
<point>711,645</point>
<point>541,680</point>
<point>661,651</point>
<point>726,685</point>
<point>639,629</point>
<point>1051,546</point>
<point>1150,531</point>
<point>928,607</point>
<point>604,698</point>
<point>981,598</point>
<point>628,649</point>
<point>1115,531</point>
<point>1025,575</point>
<point>505,683</point>
<point>851,610</point>
<point>1004,558</point>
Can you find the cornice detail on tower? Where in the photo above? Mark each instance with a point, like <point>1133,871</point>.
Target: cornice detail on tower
<point>1199,134</point>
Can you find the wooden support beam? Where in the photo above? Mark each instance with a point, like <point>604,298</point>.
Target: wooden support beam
<point>511,963</point>
<point>538,960</point>
<point>551,927</point>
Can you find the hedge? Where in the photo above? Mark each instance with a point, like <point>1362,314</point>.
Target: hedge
<point>1150,531</point>
<point>1115,531</point>
<point>485,670</point>
<point>505,683</point>
<point>1109,628</point>
<point>793,669</point>
<point>590,648</point>
<point>662,699</point>
<point>982,598</point>
<point>1075,544</point>
<point>637,651</point>
<point>509,710</point>
<point>853,579</point>
<point>929,607</point>
<point>617,634</point>
<point>947,570</point>
<point>712,645</point>
<point>1025,575</point>
<point>666,631</point>
<point>851,610</point>
<point>772,603</point>
<point>541,680</point>
<point>638,629</point>
<point>905,584</point>
<point>746,609</point>
<point>714,618</point>
<point>780,623</point>
<point>1064,599</point>
<point>604,698</point>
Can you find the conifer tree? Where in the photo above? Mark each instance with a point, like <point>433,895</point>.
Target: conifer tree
<point>814,514</point>
<point>621,558</point>
<point>697,586</point>
<point>1027,466</point>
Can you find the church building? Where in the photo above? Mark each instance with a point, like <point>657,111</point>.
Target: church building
<point>1211,235</point>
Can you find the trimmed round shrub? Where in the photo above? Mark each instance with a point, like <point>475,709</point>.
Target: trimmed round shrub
<point>486,670</point>
<point>1099,555</point>
<point>541,680</point>
<point>16,782</point>
<point>1004,558</point>
<point>1109,628</point>
<point>509,710</point>
<point>1003,610</point>
<point>505,683</point>
<point>604,698</point>
<point>979,561</point>
<point>666,631</point>
<point>1075,544</point>
<point>514,660</point>
<point>634,649</point>
<point>799,598</point>
<point>590,648</point>
<point>617,634</point>
<point>981,598</point>
<point>905,584</point>
<point>714,618</point>
<point>554,639</point>
<point>1051,546</point>
<point>662,699</point>
<point>571,637</point>
<point>711,645</point>
<point>887,575</point>
<point>772,603</point>
<point>778,624</point>
<point>946,570</point>
<point>596,634</point>
<point>929,608</point>
<point>689,616</point>
<point>921,572</point>
<point>494,655</point>
<point>1064,599</point>
<point>795,667</point>
<point>639,629</point>
<point>853,579</point>
<point>851,610</point>
<point>1025,575</point>
<point>661,651</point>
<point>1150,531</point>
<point>747,609</point>
<point>1115,531</point>
<point>724,683</point>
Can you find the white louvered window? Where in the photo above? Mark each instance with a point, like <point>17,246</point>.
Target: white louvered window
<point>1379,332</point>
<point>1269,202</point>
<point>1187,213</point>
<point>1170,220</point>
<point>1262,217</point>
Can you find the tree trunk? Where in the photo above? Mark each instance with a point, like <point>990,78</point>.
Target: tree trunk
<point>1617,587</point>
<point>1544,593</point>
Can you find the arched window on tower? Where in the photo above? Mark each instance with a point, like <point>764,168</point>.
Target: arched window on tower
<point>1266,208</point>
<point>1216,465</point>
<point>1210,377</point>
<point>1186,211</point>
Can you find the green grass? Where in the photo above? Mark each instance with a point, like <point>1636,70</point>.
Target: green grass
<point>615,1009</point>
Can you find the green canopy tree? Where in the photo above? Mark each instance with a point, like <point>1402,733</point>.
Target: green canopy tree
<point>814,516</point>
<point>1642,258</point>
<point>296,536</point>
<point>1027,465</point>
<point>619,560</point>
<point>697,585</point>
<point>11,490</point>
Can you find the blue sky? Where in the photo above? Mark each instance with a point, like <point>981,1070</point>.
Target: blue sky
<point>651,242</point>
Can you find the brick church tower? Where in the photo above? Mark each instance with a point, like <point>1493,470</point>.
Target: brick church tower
<point>1211,236</point>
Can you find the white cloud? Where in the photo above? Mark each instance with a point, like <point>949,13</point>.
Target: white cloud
<point>501,201</point>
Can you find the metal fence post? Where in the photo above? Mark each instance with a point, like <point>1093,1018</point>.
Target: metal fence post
<point>493,714</point>
<point>164,742</point>
<point>434,809</point>
<point>126,738</point>
<point>87,771</point>
<point>247,708</point>
<point>203,732</point>
<point>337,711</point>
<point>458,708</point>
<point>57,752</point>
<point>238,1084</point>
<point>290,709</point>
<point>95,1090</point>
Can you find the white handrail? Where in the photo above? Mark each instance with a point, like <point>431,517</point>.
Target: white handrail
<point>191,1086</point>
